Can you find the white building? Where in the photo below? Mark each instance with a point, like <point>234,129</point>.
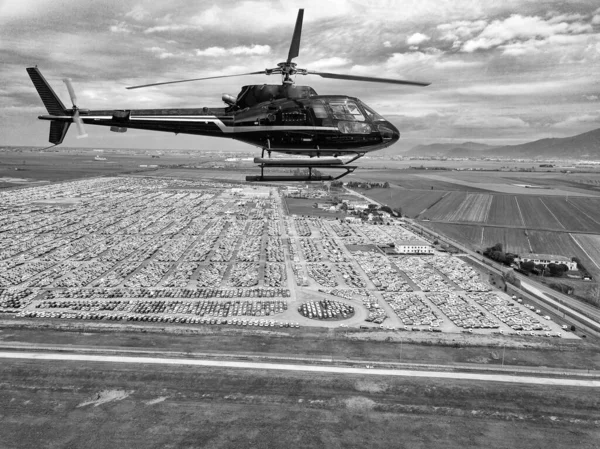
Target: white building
<point>413,247</point>
<point>546,259</point>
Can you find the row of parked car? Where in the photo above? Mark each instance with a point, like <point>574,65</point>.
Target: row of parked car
<point>509,312</point>
<point>412,310</point>
<point>157,318</point>
<point>461,312</point>
<point>322,274</point>
<point>381,272</point>
<point>201,308</point>
<point>459,272</point>
<point>326,309</point>
<point>275,274</point>
<point>122,292</point>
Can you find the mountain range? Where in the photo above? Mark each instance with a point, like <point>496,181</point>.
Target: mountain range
<point>581,146</point>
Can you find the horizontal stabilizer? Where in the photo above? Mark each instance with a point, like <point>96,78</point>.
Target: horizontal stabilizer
<point>289,178</point>
<point>58,131</point>
<point>48,96</point>
<point>298,162</point>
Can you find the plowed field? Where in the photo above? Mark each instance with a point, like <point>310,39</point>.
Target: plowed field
<point>591,245</point>
<point>504,211</point>
<point>570,215</point>
<point>536,214</point>
<point>513,240</point>
<point>449,204</point>
<point>468,235</point>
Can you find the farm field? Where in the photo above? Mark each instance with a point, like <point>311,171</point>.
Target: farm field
<point>449,204</point>
<point>570,215</point>
<point>513,240</point>
<point>564,245</point>
<point>466,234</point>
<point>589,207</point>
<point>504,211</point>
<point>536,213</point>
<point>475,207</point>
<point>458,206</point>
<point>591,245</point>
<point>411,180</point>
<point>412,202</point>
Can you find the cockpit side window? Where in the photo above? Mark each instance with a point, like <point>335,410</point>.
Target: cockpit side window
<point>319,109</point>
<point>371,114</point>
<point>346,110</point>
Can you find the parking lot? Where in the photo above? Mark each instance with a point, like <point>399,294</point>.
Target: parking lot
<point>152,249</point>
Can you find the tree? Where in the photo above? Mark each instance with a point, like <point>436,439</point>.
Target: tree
<point>527,266</point>
<point>386,185</point>
<point>497,247</point>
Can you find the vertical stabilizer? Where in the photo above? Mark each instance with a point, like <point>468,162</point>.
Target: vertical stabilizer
<point>48,96</point>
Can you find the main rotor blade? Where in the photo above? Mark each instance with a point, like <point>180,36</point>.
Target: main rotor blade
<point>366,78</point>
<point>195,79</point>
<point>295,45</point>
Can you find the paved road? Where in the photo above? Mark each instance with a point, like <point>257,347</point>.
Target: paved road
<point>305,368</point>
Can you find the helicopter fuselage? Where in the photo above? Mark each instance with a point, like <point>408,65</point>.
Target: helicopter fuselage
<point>319,125</point>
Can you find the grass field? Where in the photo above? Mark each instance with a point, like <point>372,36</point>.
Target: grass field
<point>57,405</point>
<point>304,206</point>
<point>412,202</point>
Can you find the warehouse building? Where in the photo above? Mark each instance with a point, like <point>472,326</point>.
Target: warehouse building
<point>413,247</point>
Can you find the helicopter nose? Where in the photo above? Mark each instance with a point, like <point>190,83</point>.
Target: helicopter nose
<point>389,132</point>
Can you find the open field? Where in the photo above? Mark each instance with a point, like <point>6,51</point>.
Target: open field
<point>304,206</point>
<point>590,244</point>
<point>447,205</point>
<point>468,234</point>
<point>412,202</point>
<point>504,211</point>
<point>571,215</point>
<point>410,180</point>
<point>537,214</point>
<point>68,164</point>
<point>62,404</point>
<point>513,240</point>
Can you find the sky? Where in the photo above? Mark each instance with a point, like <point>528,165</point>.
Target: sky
<point>502,72</point>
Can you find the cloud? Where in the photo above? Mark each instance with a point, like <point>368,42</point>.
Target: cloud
<point>417,39</point>
<point>138,13</point>
<point>490,122</point>
<point>235,51</point>
<point>461,29</point>
<point>387,44</point>
<point>328,63</point>
<point>507,89</point>
<point>520,27</point>
<point>120,27</point>
<point>571,122</point>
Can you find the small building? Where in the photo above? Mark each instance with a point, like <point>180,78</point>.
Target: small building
<point>413,247</point>
<point>547,259</point>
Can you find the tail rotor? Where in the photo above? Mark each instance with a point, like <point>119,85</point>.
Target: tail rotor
<point>76,118</point>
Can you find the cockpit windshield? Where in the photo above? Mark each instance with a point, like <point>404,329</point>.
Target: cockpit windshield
<point>346,110</point>
<point>373,116</point>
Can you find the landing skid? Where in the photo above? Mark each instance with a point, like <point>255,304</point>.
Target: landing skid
<point>310,163</point>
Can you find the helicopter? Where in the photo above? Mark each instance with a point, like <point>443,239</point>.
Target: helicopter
<point>281,118</point>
